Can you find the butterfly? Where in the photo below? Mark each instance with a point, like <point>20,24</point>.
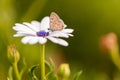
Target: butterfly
<point>56,24</point>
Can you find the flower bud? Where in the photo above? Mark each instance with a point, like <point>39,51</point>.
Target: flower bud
<point>108,42</point>
<point>64,71</point>
<point>13,54</point>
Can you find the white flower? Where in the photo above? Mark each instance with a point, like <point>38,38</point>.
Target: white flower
<point>36,32</point>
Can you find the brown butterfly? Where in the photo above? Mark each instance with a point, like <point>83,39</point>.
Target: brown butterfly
<point>55,23</point>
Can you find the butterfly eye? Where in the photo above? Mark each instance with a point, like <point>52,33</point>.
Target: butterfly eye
<point>55,23</point>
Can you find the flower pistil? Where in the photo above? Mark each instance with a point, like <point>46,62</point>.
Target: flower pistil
<point>42,33</point>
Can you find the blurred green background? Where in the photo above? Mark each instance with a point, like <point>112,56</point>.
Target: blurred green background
<point>89,18</point>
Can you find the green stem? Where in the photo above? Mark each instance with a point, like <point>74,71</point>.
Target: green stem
<point>16,72</point>
<point>116,57</point>
<point>42,62</point>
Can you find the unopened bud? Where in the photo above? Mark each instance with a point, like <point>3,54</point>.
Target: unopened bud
<point>64,71</point>
<point>13,54</point>
<point>109,42</point>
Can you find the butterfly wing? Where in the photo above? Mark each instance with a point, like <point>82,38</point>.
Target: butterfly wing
<point>55,23</point>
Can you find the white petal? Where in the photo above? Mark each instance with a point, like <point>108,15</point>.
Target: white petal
<point>18,35</point>
<point>45,23</point>
<point>26,39</point>
<point>59,34</point>
<point>70,35</point>
<point>30,40</point>
<point>58,41</point>
<point>42,40</point>
<point>33,40</point>
<point>67,30</point>
<point>23,30</point>
<point>31,26</point>
<point>27,33</point>
<point>21,27</point>
<point>36,24</point>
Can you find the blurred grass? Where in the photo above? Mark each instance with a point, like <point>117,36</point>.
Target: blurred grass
<point>89,18</point>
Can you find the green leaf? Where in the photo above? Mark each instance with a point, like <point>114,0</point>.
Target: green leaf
<point>77,75</point>
<point>47,65</point>
<point>32,73</point>
<point>51,74</point>
<point>10,73</point>
<point>50,65</point>
<point>23,67</point>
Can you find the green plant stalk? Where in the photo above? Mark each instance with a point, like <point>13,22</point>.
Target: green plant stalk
<point>115,56</point>
<point>16,72</point>
<point>42,62</point>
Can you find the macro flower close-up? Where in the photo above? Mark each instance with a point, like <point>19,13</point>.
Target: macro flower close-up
<point>60,39</point>
<point>41,31</point>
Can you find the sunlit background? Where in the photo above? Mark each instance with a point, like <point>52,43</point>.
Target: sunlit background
<point>89,18</point>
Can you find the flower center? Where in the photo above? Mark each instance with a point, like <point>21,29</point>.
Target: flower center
<point>42,33</point>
